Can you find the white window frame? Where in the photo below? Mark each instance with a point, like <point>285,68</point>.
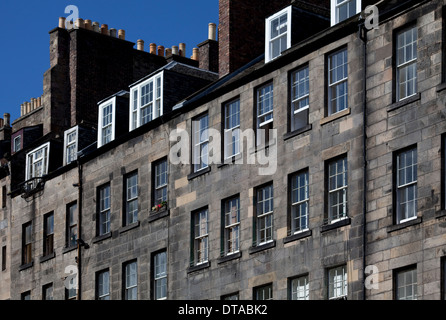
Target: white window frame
<point>296,226</point>
<point>104,214</point>
<point>19,138</point>
<point>406,186</point>
<point>264,292</point>
<point>131,198</point>
<point>160,187</point>
<point>268,51</point>
<point>232,226</point>
<point>103,294</point>
<point>129,284</point>
<point>69,144</point>
<point>342,188</point>
<point>155,103</point>
<point>45,162</point>
<point>262,214</point>
<point>102,106</point>
<point>406,64</point>
<point>300,102</point>
<point>334,10</point>
<point>402,283</point>
<point>300,288</point>
<point>337,282</point>
<point>337,83</point>
<point>200,143</point>
<point>201,236</point>
<point>160,275</point>
<point>232,143</point>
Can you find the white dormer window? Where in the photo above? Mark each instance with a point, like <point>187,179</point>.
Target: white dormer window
<point>146,101</point>
<point>343,9</point>
<point>70,145</point>
<point>37,162</point>
<point>106,125</point>
<point>278,34</point>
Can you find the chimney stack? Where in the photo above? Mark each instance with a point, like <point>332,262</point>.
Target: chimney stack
<point>87,24</point>
<point>140,45</point>
<point>153,48</point>
<point>121,34</point>
<point>6,120</point>
<point>182,48</point>
<point>62,22</point>
<point>104,29</point>
<point>161,51</point>
<point>212,31</point>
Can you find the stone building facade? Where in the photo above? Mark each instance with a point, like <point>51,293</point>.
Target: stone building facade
<point>344,200</point>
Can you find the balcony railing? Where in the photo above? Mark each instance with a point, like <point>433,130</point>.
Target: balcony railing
<point>31,187</point>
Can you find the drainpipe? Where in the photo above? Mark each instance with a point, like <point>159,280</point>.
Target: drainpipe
<point>363,37</point>
<point>79,224</point>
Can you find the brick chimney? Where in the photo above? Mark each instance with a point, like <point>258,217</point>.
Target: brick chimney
<point>208,51</point>
<point>242,29</point>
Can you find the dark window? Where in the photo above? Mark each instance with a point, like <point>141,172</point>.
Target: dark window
<point>264,292</point>
<point>4,197</point>
<point>160,181</point>
<point>71,222</point>
<point>3,258</point>
<point>131,198</point>
<point>443,278</point>
<point>232,296</point>
<point>104,204</point>
<point>231,225</point>
<point>47,292</point>
<point>159,263</point>
<point>103,285</point>
<point>130,280</point>
<point>26,295</point>
<point>200,236</point>
<point>48,234</point>
<point>27,243</point>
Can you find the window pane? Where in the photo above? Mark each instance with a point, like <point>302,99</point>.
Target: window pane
<point>406,286</point>
<point>300,288</point>
<point>337,286</point>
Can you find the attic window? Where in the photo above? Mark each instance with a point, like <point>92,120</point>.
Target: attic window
<point>343,9</point>
<point>278,34</point>
<point>70,149</point>
<point>106,122</point>
<point>17,144</point>
<point>37,162</point>
<point>146,101</point>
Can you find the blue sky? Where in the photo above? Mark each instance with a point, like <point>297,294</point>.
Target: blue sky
<point>24,50</point>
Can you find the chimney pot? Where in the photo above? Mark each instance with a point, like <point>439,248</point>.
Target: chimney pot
<point>195,52</point>
<point>113,32</point>
<point>182,48</point>
<point>96,26</point>
<point>104,29</point>
<point>80,23</point>
<point>39,102</point>
<point>21,110</point>
<point>153,48</point>
<point>140,45</point>
<point>168,52</point>
<point>161,51</point>
<point>28,107</point>
<point>121,34</point>
<point>6,119</point>
<point>174,49</point>
<point>33,104</point>
<point>212,31</point>
<point>87,24</point>
<point>1,123</point>
<point>62,22</point>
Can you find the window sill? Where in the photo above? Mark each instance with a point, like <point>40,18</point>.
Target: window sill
<point>26,266</point>
<point>47,257</point>
<point>199,267</point>
<point>230,257</point>
<point>129,227</point>
<point>297,236</point>
<point>230,160</point>
<point>404,224</point>
<point>262,247</point>
<point>68,249</point>
<point>101,237</point>
<point>292,134</point>
<point>198,173</point>
<point>404,102</point>
<point>440,214</point>
<point>441,87</point>
<point>335,116</point>
<point>335,225</point>
<point>161,213</point>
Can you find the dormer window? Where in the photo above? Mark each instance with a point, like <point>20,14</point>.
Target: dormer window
<point>146,101</point>
<point>343,9</point>
<point>278,34</point>
<point>17,146</point>
<point>106,125</point>
<point>37,162</point>
<point>70,145</point>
